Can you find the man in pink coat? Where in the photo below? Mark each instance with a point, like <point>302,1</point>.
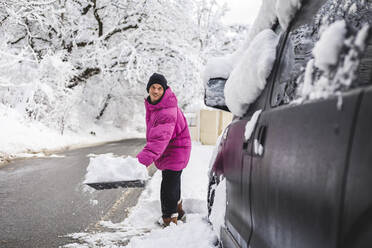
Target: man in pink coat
<point>168,144</point>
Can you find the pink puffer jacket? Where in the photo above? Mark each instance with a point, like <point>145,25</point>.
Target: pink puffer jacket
<point>167,135</point>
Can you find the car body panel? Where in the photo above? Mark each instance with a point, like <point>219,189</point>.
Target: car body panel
<point>296,185</point>
<point>357,216</point>
<point>229,240</point>
<point>233,157</point>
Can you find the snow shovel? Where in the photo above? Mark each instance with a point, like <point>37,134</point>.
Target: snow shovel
<point>117,184</point>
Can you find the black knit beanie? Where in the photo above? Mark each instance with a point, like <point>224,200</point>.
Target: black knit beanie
<point>157,79</point>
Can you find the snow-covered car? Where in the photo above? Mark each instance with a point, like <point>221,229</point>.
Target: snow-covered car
<point>297,158</point>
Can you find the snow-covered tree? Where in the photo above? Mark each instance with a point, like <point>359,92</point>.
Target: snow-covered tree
<point>74,63</point>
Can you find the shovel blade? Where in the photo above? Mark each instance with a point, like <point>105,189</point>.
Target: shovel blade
<point>118,184</point>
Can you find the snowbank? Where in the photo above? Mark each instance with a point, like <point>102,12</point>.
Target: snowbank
<point>19,136</point>
<point>248,78</point>
<point>107,168</point>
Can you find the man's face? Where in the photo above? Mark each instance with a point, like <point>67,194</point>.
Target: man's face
<point>156,91</point>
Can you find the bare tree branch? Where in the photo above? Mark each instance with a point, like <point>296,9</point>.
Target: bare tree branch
<point>4,19</point>
<point>86,9</point>
<point>109,96</point>
<point>18,40</point>
<point>87,73</point>
<point>119,30</point>
<point>98,18</point>
<point>30,41</point>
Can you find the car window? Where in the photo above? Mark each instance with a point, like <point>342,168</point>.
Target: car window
<point>365,67</point>
<point>298,78</point>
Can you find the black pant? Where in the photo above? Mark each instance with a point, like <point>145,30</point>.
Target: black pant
<point>170,192</point>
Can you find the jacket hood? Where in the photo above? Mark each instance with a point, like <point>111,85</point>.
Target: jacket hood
<point>168,100</point>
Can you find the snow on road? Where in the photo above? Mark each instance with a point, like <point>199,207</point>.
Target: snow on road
<point>140,230</point>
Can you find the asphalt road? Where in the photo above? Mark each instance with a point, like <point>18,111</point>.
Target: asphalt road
<point>43,199</point>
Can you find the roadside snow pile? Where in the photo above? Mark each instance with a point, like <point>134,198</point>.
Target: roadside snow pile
<point>19,136</point>
<point>107,168</point>
<point>248,78</point>
<point>140,229</point>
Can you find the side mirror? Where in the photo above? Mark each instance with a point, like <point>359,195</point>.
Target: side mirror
<point>214,93</point>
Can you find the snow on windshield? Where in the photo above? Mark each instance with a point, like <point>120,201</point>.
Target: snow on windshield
<point>248,78</point>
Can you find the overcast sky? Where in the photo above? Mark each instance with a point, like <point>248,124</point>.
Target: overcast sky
<point>242,11</point>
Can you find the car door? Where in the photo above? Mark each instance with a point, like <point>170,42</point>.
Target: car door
<point>357,210</point>
<point>238,220</point>
<point>356,228</point>
<point>237,158</point>
<point>237,171</point>
<point>298,181</point>
<point>232,166</point>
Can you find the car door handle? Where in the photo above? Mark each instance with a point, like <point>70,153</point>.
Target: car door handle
<point>259,141</point>
<point>245,145</point>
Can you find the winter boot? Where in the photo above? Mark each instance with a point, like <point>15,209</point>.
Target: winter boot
<point>168,220</point>
<point>181,213</point>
